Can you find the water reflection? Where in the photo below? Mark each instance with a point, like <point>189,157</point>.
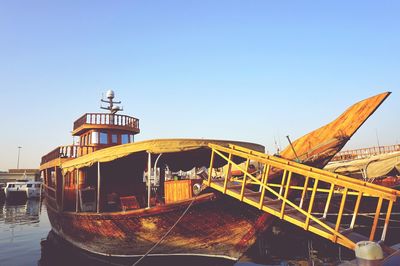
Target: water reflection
<point>22,224</point>
<point>19,212</point>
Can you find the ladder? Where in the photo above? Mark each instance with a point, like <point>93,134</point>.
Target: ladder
<point>288,190</point>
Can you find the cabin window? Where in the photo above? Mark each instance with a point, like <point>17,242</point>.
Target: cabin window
<point>131,138</point>
<point>95,137</point>
<point>114,138</point>
<point>29,185</point>
<point>124,138</point>
<point>103,138</point>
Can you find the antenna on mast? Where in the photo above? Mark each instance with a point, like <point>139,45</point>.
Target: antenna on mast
<point>111,107</point>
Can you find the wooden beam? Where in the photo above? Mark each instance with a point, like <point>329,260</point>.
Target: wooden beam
<point>98,187</point>
<point>76,190</point>
<point>63,191</point>
<point>148,179</point>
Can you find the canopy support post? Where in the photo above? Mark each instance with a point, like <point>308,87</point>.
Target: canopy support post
<point>148,179</point>
<point>98,187</point>
<point>55,185</point>
<point>77,190</point>
<point>63,190</point>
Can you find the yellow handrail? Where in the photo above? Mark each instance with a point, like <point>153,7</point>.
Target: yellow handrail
<point>313,169</point>
<point>307,214</point>
<point>326,176</point>
<point>283,172</point>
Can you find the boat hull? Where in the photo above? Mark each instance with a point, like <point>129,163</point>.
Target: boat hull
<point>214,226</point>
<point>15,194</point>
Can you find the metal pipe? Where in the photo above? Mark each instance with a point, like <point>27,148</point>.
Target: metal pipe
<point>155,166</point>
<point>98,187</point>
<point>294,151</point>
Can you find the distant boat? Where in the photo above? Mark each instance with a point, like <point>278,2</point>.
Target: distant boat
<point>2,193</point>
<point>381,168</point>
<point>23,189</point>
<point>113,197</point>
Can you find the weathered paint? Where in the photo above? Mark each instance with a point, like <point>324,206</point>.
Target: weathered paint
<point>212,227</point>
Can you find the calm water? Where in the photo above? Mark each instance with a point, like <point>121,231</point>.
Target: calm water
<point>26,239</point>
<point>22,226</point>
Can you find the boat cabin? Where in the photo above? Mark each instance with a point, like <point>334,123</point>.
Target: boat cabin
<point>109,184</point>
<point>107,172</point>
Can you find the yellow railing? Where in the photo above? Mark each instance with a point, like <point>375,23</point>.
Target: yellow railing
<point>288,190</point>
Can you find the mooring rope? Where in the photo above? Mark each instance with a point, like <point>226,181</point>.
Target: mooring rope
<point>166,234</point>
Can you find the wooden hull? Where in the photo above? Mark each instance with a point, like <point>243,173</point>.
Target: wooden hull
<point>214,226</point>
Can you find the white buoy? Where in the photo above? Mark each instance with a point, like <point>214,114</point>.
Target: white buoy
<point>368,253</point>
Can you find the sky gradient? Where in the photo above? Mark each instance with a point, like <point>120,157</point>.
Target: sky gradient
<point>243,70</point>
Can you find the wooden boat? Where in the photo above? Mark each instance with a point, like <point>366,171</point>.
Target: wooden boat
<point>113,197</point>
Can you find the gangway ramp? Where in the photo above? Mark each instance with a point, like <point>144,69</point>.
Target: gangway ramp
<point>288,190</point>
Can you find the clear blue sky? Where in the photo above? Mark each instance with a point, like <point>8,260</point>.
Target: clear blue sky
<point>244,70</point>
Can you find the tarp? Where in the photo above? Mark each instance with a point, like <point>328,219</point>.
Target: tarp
<point>374,166</point>
<point>319,146</point>
<point>155,146</point>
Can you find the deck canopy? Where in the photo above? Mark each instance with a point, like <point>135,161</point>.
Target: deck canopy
<point>373,167</point>
<point>190,149</point>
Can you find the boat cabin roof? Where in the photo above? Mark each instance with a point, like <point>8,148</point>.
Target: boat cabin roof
<point>24,182</point>
<point>156,146</point>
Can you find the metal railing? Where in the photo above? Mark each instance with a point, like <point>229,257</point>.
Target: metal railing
<point>68,151</point>
<point>280,178</point>
<point>107,119</point>
<point>365,152</point>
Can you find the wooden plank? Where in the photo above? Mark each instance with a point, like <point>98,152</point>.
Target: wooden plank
<point>375,224</point>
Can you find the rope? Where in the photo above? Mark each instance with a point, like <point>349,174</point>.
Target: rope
<point>166,234</point>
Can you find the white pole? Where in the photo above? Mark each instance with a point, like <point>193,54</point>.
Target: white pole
<point>148,179</point>
<point>19,149</point>
<point>98,187</point>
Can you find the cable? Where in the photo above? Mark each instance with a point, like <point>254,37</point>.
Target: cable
<point>166,234</point>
